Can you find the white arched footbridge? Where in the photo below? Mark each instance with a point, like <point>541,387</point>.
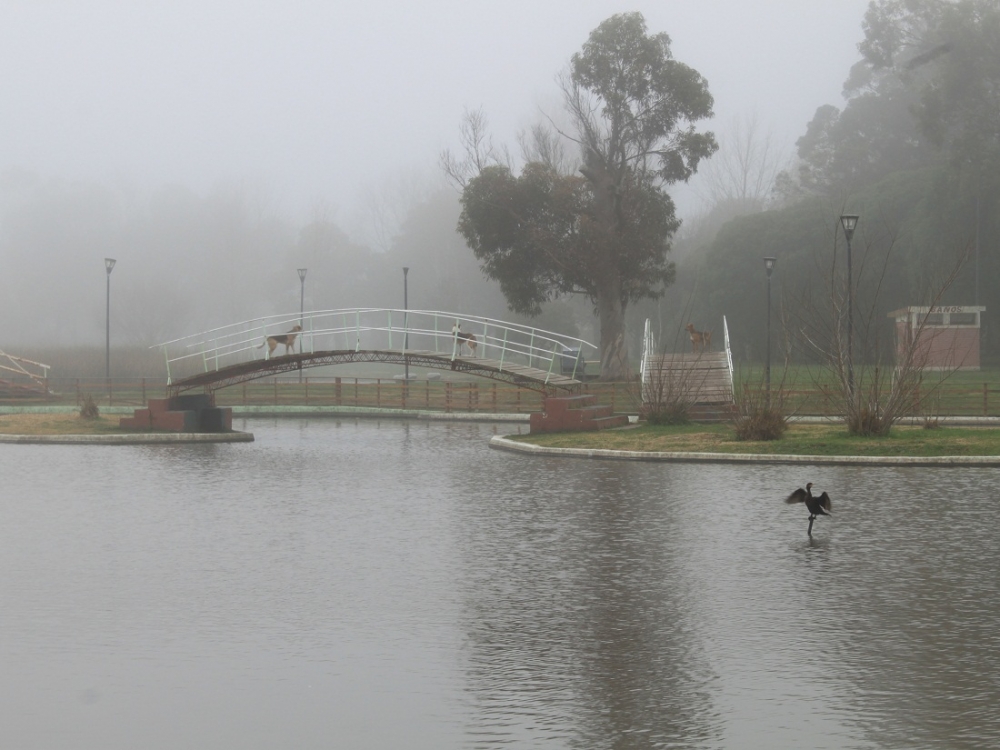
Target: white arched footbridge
<point>509,352</point>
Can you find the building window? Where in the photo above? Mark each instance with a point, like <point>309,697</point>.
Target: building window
<point>963,319</point>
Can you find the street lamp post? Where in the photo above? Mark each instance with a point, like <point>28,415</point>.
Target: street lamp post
<point>769,266</point>
<point>849,222</point>
<point>302,292</point>
<point>109,264</point>
<point>302,307</point>
<point>406,329</point>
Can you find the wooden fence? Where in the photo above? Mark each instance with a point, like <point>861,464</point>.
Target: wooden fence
<point>468,396</point>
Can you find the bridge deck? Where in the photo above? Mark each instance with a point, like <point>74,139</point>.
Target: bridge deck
<point>530,377</point>
<point>556,380</point>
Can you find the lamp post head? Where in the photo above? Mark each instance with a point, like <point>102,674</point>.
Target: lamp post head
<point>109,263</point>
<point>302,273</point>
<point>406,270</point>
<point>849,222</point>
<point>769,265</point>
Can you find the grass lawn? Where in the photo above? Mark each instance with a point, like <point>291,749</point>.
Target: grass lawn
<point>57,424</point>
<point>800,439</point>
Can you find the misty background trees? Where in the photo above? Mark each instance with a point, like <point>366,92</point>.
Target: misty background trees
<point>914,151</point>
<point>914,148</point>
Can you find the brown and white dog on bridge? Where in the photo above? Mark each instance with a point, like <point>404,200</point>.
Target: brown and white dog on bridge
<point>288,339</point>
<point>700,340</point>
<point>467,339</point>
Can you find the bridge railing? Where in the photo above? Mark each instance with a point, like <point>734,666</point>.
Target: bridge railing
<point>377,329</point>
<point>26,370</point>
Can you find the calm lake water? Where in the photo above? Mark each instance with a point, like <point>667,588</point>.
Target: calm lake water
<point>384,584</point>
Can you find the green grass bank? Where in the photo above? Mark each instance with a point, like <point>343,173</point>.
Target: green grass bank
<point>800,439</point>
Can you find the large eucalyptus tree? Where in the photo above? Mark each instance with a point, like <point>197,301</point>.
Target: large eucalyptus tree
<point>606,231</point>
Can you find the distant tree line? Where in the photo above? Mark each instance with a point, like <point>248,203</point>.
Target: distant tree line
<point>915,151</point>
<point>189,262</point>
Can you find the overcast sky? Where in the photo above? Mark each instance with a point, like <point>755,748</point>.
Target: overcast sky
<point>311,100</point>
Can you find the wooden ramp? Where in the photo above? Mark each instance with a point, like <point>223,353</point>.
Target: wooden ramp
<point>695,378</point>
<point>31,379</point>
<point>11,391</point>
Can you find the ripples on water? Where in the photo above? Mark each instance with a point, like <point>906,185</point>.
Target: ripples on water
<point>378,584</point>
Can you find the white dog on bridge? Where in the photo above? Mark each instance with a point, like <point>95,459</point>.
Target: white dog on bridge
<point>466,339</point>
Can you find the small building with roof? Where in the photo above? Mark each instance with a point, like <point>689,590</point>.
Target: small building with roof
<point>947,337</point>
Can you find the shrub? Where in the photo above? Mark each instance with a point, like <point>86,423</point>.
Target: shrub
<point>660,413</point>
<point>89,409</point>
<point>759,416</point>
<point>763,423</point>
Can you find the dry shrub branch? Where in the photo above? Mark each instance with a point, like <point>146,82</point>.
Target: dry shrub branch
<point>762,407</point>
<point>876,383</point>
<point>89,410</point>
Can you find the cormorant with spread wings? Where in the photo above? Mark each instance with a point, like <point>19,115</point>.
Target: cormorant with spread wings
<point>817,506</point>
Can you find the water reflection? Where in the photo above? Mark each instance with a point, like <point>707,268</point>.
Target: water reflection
<point>915,591</point>
<point>398,584</point>
<point>578,609</point>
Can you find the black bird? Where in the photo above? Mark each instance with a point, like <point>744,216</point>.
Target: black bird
<point>817,506</point>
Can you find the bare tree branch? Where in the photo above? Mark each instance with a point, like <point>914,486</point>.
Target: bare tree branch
<point>877,384</point>
<point>478,149</point>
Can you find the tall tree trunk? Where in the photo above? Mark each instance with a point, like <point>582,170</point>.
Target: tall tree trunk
<point>614,351</point>
<point>610,308</point>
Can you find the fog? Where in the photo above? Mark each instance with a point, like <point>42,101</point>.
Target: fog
<point>214,147</point>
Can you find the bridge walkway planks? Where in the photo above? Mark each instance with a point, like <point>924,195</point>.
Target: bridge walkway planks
<point>556,380</point>
<point>701,377</point>
<point>530,377</point>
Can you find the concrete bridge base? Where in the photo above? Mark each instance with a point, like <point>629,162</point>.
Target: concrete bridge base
<point>189,413</point>
<point>574,414</point>
<point>712,413</point>
<point>702,413</point>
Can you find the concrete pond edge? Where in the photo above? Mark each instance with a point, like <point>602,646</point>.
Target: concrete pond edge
<point>239,412</point>
<point>268,411</point>
<point>502,443</point>
<point>138,438</point>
